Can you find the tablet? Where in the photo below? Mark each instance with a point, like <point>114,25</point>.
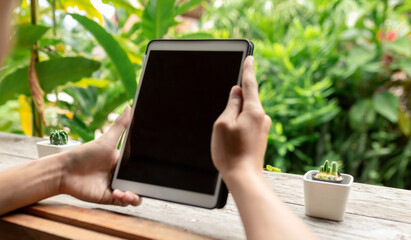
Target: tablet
<point>183,88</point>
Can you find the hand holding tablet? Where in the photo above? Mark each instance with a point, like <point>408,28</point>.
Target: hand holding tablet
<point>239,138</point>
<point>183,89</point>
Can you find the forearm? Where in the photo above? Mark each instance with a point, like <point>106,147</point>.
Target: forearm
<point>30,182</point>
<point>263,214</point>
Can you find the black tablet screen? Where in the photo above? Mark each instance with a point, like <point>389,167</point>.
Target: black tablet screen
<point>182,94</point>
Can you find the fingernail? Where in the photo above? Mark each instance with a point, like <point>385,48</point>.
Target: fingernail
<point>232,90</point>
<point>252,59</point>
<point>126,110</point>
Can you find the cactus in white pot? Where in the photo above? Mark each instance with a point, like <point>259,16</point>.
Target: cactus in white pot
<point>58,137</point>
<point>327,173</point>
<point>58,142</point>
<point>326,192</point>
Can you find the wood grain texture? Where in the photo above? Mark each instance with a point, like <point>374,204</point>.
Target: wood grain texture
<point>366,200</point>
<point>24,226</point>
<point>373,212</point>
<point>217,223</point>
<point>19,145</point>
<point>225,223</point>
<point>114,224</point>
<point>7,160</point>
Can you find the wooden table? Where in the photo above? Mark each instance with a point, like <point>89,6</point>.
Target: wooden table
<point>373,212</point>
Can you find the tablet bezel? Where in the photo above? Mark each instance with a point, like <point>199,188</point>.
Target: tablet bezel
<point>167,193</point>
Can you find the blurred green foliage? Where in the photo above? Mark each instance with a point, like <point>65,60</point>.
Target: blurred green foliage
<point>334,75</point>
<point>92,60</point>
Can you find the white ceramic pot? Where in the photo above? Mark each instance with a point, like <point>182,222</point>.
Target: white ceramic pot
<point>44,148</point>
<point>325,199</point>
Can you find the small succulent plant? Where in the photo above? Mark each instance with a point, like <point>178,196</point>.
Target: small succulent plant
<point>58,137</point>
<point>328,173</point>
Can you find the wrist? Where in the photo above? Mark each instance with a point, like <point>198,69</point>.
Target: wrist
<point>66,162</point>
<point>240,174</point>
<point>47,174</point>
<point>60,162</point>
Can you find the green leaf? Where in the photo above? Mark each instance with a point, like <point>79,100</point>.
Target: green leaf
<point>106,103</point>
<point>400,46</point>
<point>359,56</point>
<point>272,169</point>
<point>361,115</point>
<point>84,5</point>
<point>405,7</point>
<point>126,6</point>
<point>188,5</point>
<point>85,98</point>
<point>386,104</point>
<point>405,65</point>
<point>279,128</point>
<point>404,122</point>
<point>77,127</point>
<point>12,121</point>
<point>117,55</point>
<point>316,116</point>
<point>51,74</point>
<point>28,34</point>
<point>86,82</point>
<point>158,16</point>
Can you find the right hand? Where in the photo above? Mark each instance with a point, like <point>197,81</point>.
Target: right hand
<point>239,137</point>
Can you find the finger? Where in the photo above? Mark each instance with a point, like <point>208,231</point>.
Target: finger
<point>126,198</point>
<point>234,104</point>
<point>120,203</point>
<point>118,197</point>
<point>250,86</point>
<point>120,125</point>
<point>132,199</point>
<point>118,194</point>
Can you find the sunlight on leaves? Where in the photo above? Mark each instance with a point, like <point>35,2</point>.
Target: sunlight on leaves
<point>25,114</point>
<point>84,5</point>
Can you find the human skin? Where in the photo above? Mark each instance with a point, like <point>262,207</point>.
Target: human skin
<point>238,146</point>
<point>84,173</point>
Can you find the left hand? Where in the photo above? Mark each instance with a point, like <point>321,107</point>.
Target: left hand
<point>90,167</point>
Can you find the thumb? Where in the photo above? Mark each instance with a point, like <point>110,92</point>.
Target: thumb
<point>234,104</point>
<point>120,125</point>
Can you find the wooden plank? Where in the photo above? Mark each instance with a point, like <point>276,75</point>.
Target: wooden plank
<point>382,212</point>
<point>354,227</point>
<point>24,226</point>
<point>217,223</point>
<point>225,223</point>
<point>366,200</point>
<point>7,160</point>
<point>380,202</point>
<point>113,224</point>
<point>18,145</point>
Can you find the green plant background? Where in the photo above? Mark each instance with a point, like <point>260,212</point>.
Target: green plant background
<point>334,75</point>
